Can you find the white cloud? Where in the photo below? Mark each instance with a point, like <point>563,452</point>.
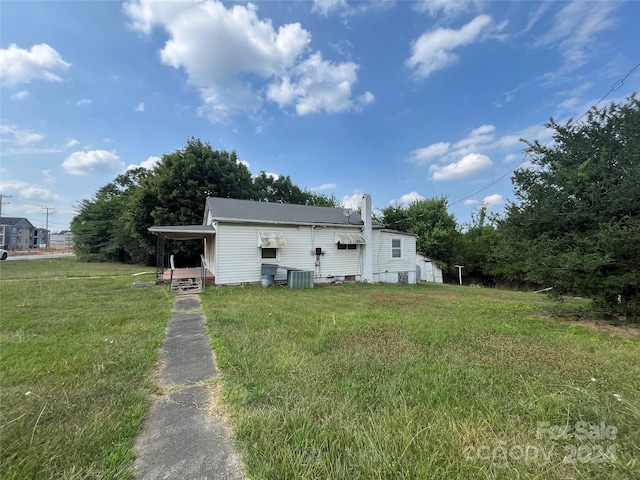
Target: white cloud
<point>150,163</point>
<point>84,101</point>
<point>140,107</point>
<point>470,202</point>
<point>326,7</point>
<point>365,99</point>
<point>21,95</point>
<point>495,199</point>
<point>316,85</point>
<point>409,198</point>
<point>245,163</point>
<point>47,177</point>
<point>448,8</point>
<point>72,142</point>
<point>275,176</point>
<point>352,201</point>
<point>346,9</point>
<point>423,155</point>
<point>41,62</point>
<point>433,50</point>
<point>28,191</point>
<point>478,137</point>
<point>93,161</point>
<point>324,186</point>
<point>575,30</point>
<point>469,165</point>
<point>19,137</point>
<point>233,57</point>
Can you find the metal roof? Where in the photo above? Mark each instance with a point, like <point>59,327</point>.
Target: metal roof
<point>353,238</point>
<point>183,232</point>
<point>232,210</point>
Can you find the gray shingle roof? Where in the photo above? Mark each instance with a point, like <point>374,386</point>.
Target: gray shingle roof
<point>10,221</point>
<point>229,209</point>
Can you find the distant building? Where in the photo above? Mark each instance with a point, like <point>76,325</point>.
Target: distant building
<point>62,239</point>
<point>17,233</point>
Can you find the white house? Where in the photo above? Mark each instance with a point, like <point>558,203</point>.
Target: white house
<point>240,236</point>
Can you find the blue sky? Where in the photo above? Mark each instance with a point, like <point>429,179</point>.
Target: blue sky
<point>397,99</point>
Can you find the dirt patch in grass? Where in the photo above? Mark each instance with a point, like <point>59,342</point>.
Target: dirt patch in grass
<point>506,350</point>
<point>380,340</point>
<point>408,302</point>
<point>217,406</point>
<point>622,331</point>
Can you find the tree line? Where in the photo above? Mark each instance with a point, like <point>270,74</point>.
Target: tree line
<point>113,225</point>
<point>573,226</point>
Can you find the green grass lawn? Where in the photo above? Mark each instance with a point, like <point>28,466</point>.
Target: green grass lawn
<point>78,344</point>
<point>428,381</point>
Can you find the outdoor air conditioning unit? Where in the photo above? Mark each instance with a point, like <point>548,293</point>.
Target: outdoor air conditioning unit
<point>300,279</point>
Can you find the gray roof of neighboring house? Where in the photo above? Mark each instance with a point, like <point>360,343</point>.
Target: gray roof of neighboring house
<point>232,210</point>
<point>11,221</point>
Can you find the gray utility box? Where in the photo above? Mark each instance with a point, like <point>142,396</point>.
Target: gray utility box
<point>269,269</point>
<point>299,279</point>
<point>268,273</point>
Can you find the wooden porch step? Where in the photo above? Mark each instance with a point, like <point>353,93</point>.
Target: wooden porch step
<point>186,285</point>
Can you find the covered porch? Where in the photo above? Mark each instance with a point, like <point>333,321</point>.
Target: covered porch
<point>188,275</point>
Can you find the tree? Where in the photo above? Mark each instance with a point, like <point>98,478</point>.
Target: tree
<point>477,246</point>
<point>429,219</point>
<point>577,224</point>
<point>175,193</point>
<point>97,227</point>
<point>114,225</point>
<point>270,188</point>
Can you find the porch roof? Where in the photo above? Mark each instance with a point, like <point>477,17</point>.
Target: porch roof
<point>183,232</point>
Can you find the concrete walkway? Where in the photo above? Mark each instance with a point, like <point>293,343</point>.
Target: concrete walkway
<point>182,438</point>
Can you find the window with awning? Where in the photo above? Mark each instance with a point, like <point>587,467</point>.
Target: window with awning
<point>271,239</point>
<point>354,238</point>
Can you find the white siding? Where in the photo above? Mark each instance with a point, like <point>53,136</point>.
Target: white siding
<point>335,264</point>
<point>385,267</point>
<point>237,259</point>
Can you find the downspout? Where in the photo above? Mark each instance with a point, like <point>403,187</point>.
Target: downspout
<point>367,233</point>
<point>316,262</point>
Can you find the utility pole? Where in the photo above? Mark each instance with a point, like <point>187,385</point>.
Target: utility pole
<point>47,210</point>
<point>1,198</point>
<point>2,231</point>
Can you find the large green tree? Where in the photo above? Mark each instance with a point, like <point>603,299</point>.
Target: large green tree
<point>274,188</point>
<point>98,227</point>
<point>429,219</point>
<point>175,193</point>
<point>113,225</point>
<point>477,246</point>
<point>576,222</point>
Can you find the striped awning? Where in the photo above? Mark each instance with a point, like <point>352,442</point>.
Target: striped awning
<point>350,238</point>
<point>270,239</point>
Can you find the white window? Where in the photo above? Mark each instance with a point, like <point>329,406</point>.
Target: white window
<point>269,242</point>
<point>396,248</point>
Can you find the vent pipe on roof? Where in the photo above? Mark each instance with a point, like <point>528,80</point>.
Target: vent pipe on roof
<point>367,233</point>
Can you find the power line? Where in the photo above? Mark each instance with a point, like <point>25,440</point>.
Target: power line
<point>613,88</point>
